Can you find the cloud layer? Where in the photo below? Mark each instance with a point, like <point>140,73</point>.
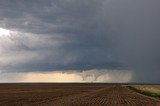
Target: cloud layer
<point>110,76</point>
<point>56,35</point>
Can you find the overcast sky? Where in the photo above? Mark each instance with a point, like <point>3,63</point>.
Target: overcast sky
<point>93,40</point>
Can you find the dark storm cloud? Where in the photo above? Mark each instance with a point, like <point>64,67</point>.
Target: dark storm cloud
<point>82,34</point>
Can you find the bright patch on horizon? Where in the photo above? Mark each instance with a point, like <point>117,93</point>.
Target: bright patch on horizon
<point>70,76</point>
<point>4,32</point>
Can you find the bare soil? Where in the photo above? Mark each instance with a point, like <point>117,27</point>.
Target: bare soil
<point>34,94</point>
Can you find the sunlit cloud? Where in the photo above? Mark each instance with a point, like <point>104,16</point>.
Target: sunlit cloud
<point>4,32</point>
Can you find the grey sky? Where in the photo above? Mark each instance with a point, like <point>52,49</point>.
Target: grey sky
<point>56,35</point>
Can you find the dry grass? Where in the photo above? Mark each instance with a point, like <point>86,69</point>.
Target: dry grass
<point>150,90</point>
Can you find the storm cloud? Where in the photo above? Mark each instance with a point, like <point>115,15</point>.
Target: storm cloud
<point>56,35</point>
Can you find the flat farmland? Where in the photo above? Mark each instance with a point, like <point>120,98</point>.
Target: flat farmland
<point>52,94</point>
<point>148,88</point>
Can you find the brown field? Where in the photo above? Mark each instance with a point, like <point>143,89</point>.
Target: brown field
<point>34,94</point>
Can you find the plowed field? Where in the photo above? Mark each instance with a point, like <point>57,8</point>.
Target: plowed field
<point>72,95</point>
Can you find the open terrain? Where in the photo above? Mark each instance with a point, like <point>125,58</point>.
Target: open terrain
<point>149,90</point>
<point>34,94</point>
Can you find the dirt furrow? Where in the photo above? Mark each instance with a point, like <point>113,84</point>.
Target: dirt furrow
<point>112,96</point>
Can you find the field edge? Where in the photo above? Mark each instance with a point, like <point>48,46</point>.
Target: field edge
<point>147,93</point>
